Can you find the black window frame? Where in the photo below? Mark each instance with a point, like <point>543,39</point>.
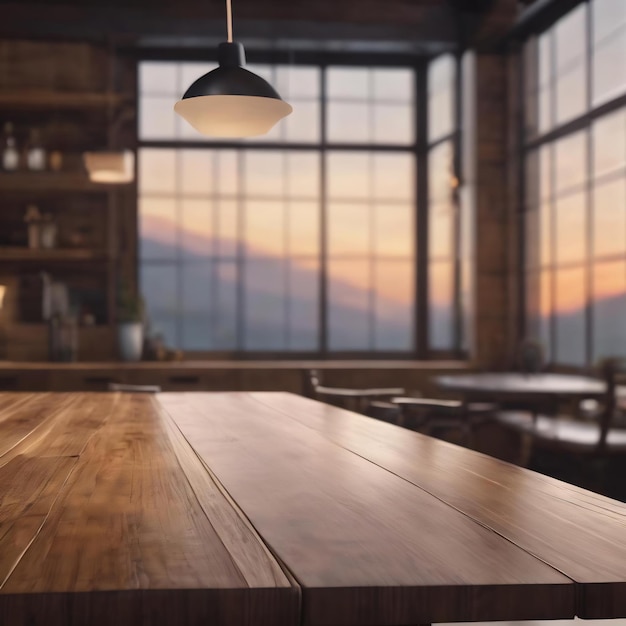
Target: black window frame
<point>420,148</point>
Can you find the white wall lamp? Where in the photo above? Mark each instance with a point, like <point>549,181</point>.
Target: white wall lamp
<point>111,165</point>
<point>231,101</point>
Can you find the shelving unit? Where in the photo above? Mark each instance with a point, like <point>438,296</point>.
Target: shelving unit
<point>37,183</point>
<point>47,100</point>
<point>56,254</point>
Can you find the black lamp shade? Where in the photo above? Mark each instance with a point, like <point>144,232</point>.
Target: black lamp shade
<point>231,101</point>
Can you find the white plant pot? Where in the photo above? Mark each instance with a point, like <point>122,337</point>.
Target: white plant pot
<point>130,340</point>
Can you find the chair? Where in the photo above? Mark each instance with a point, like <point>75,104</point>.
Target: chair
<point>599,435</point>
<point>431,416</point>
<point>350,398</point>
<point>134,388</point>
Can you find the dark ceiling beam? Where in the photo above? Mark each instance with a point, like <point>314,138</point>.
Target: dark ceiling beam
<point>399,26</point>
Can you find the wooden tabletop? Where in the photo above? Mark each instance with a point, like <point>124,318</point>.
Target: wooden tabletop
<point>229,508</point>
<point>107,517</point>
<point>505,384</point>
<point>579,533</point>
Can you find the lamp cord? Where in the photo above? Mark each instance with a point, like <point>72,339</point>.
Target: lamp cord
<point>229,20</point>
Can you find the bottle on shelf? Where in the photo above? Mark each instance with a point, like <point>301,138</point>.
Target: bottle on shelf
<point>10,155</point>
<point>35,154</point>
<point>33,222</point>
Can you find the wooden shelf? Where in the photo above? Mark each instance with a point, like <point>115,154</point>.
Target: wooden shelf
<point>57,254</point>
<point>37,183</point>
<point>50,100</point>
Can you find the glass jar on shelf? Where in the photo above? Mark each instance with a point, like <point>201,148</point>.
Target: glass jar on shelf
<point>35,152</point>
<point>10,154</point>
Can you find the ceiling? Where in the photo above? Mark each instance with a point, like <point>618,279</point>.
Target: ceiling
<point>405,26</point>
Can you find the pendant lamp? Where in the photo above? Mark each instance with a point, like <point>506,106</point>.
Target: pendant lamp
<point>231,101</point>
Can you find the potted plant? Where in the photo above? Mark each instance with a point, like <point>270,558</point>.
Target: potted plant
<point>130,324</point>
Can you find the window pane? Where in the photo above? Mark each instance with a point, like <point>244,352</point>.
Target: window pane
<point>394,176</point>
<point>157,119</point>
<point>304,122</point>
<point>196,229</point>
<point>298,81</point>
<point>570,317</point>
<point>395,84</point>
<point>440,170</point>
<point>349,229</point>
<point>545,110</point>
<point>265,305</point>
<point>545,59</point>
<point>393,124</point>
<point>228,163</point>
<point>303,311</point>
<point>227,227</point>
<point>349,122</point>
<point>264,233</point>
<point>441,73</point>
<point>303,174</point>
<point>608,16</point>
<point>197,171</point>
<point>158,283</point>
<point>440,305</point>
<point>545,311</point>
<point>440,115</point>
<point>440,226</point>
<point>609,153</point>
<point>349,305</point>
<point>196,332</point>
<point>157,171</point>
<point>609,213</point>
<point>609,69</point>
<point>348,175</point>
<point>303,228</point>
<point>571,229</point>
<point>348,82</point>
<point>532,303</point>
<point>569,37</point>
<point>394,297</point>
<point>394,230</point>
<point>571,94</point>
<point>265,173</point>
<point>158,230</point>
<point>545,235</point>
<point>158,79</point>
<point>609,310</point>
<point>570,161</point>
<point>197,300</point>
<point>224,320</point>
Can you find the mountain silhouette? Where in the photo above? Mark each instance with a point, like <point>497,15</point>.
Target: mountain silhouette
<point>280,298</point>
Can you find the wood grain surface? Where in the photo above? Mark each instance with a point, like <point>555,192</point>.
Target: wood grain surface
<point>367,547</point>
<point>580,533</point>
<point>108,517</point>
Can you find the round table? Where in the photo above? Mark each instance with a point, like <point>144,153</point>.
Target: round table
<point>511,385</point>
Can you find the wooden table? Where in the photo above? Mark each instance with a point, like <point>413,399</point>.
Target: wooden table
<point>506,386</point>
<point>268,508</point>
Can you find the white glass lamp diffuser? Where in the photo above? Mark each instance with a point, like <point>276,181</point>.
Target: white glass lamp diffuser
<point>231,101</point>
<point>110,166</point>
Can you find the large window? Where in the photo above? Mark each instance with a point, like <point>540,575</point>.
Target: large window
<point>575,236</point>
<point>303,240</point>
